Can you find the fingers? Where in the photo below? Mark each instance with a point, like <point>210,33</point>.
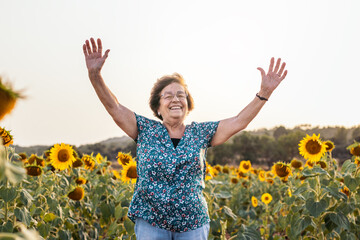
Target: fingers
<point>88,47</point>
<point>106,54</point>
<point>99,45</point>
<point>277,65</point>
<point>280,73</point>
<point>271,65</point>
<point>284,75</point>
<point>94,48</point>
<point>282,68</point>
<point>261,71</point>
<point>84,50</point>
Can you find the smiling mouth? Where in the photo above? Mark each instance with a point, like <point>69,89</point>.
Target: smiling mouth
<point>175,108</point>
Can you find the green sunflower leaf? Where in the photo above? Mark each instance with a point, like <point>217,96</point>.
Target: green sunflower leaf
<point>23,215</point>
<point>351,183</point>
<point>348,167</point>
<point>316,208</point>
<point>129,226</point>
<point>49,217</point>
<point>8,194</point>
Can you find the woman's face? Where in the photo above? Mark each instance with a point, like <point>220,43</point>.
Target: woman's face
<point>173,103</point>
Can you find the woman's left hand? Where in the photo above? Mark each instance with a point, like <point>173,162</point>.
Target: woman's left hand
<point>272,78</point>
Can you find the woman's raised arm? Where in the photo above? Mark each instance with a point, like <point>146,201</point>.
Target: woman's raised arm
<point>270,80</point>
<point>122,116</point>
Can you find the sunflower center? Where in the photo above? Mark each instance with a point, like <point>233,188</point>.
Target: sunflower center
<point>329,146</point>
<point>281,170</point>
<point>313,147</point>
<point>356,151</point>
<point>131,173</point>
<point>296,164</point>
<point>246,166</point>
<point>124,159</point>
<point>63,155</point>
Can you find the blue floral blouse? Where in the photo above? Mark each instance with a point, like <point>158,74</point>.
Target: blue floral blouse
<point>168,191</point>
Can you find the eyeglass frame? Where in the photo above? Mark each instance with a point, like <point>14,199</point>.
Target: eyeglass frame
<point>174,95</point>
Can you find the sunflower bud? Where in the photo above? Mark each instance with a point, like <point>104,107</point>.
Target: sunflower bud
<point>77,194</point>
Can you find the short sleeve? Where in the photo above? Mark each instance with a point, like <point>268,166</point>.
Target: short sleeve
<point>143,125</point>
<point>207,130</point>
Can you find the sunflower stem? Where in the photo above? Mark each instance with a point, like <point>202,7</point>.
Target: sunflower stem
<point>6,211</point>
<point>266,222</point>
<point>14,214</point>
<point>6,206</point>
<point>318,190</point>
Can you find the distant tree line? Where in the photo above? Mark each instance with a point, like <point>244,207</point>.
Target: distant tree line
<point>261,147</point>
<point>264,147</point>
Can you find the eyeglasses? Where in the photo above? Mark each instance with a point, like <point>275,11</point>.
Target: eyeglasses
<point>168,96</point>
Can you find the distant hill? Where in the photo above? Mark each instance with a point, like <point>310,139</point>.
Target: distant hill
<point>262,145</point>
<point>108,148</point>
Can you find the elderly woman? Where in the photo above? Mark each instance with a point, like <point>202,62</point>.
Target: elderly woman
<point>168,202</point>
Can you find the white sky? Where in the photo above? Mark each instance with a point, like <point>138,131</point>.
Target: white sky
<point>215,45</point>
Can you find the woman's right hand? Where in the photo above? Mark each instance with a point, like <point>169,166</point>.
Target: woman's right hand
<point>93,56</point>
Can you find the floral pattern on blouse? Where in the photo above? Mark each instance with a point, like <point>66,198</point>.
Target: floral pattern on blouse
<point>168,191</point>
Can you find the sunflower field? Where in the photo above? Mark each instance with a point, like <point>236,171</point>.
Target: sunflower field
<point>61,195</point>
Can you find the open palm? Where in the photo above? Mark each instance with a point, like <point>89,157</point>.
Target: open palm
<point>273,77</point>
<point>93,56</point>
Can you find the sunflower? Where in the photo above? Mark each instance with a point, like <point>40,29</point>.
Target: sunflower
<point>129,172</point>
<point>266,198</point>
<point>77,163</point>
<point>355,150</point>
<point>309,164</point>
<point>254,201</point>
<point>269,175</point>
<point>245,166</point>
<point>7,138</point>
<point>254,171</point>
<point>295,163</point>
<point>312,148</point>
<point>124,158</point>
<point>322,164</point>
<point>357,161</point>
<point>61,156</point>
<point>234,180</point>
<point>218,168</point>
<point>99,158</point>
<point>80,181</point>
<point>47,153</point>
<point>329,145</point>
<point>270,180</point>
<point>33,171</point>
<point>282,170</point>
<point>215,172</point>
<point>283,212</point>
<point>346,191</point>
<point>35,160</point>
<point>241,175</point>
<point>226,169</point>
<point>8,98</point>
<point>88,161</point>
<point>262,175</point>
<point>77,194</point>
<point>289,192</point>
<point>116,174</point>
<point>23,157</point>
<point>209,172</point>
